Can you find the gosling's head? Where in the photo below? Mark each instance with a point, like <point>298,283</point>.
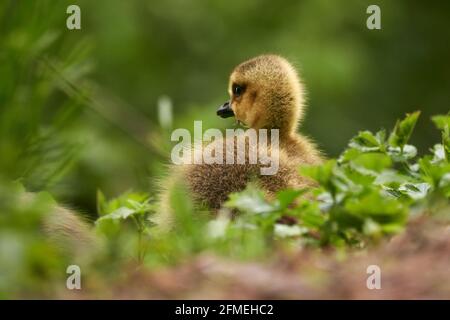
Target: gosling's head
<point>265,92</point>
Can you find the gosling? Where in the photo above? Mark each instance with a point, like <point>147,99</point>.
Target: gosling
<point>265,93</point>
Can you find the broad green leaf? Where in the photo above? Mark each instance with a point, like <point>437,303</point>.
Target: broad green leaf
<point>287,196</point>
<point>433,172</point>
<point>391,178</point>
<point>250,200</point>
<point>439,153</point>
<point>322,173</point>
<point>442,121</point>
<point>404,154</point>
<point>415,191</point>
<point>377,207</point>
<point>403,130</point>
<point>366,141</point>
<point>359,176</point>
<point>121,213</point>
<point>373,161</point>
<point>311,215</point>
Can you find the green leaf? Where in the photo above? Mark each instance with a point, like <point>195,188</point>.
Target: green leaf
<point>403,130</point>
<point>436,174</point>
<point>121,213</point>
<point>250,200</point>
<point>366,141</point>
<point>391,178</point>
<point>404,154</point>
<point>439,153</point>
<point>132,200</point>
<point>101,203</point>
<point>321,173</point>
<point>349,154</point>
<point>377,207</point>
<point>376,162</point>
<point>415,191</point>
<point>287,196</point>
<point>311,215</point>
<point>442,121</point>
<point>355,178</point>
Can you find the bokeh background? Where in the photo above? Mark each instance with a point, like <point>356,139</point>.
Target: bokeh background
<point>79,109</point>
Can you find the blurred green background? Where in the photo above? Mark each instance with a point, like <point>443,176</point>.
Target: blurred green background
<point>79,109</point>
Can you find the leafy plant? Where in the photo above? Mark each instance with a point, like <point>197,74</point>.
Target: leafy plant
<point>135,207</point>
<point>367,193</point>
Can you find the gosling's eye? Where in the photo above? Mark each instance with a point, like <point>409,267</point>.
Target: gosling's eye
<point>237,90</point>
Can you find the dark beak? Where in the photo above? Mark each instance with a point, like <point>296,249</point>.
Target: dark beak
<point>225,111</point>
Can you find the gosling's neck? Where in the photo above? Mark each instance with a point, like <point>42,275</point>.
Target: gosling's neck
<point>295,144</point>
<point>287,131</point>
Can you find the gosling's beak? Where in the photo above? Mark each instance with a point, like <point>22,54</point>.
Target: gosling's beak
<point>225,110</point>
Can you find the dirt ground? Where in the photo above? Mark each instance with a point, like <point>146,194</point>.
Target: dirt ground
<point>414,265</point>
